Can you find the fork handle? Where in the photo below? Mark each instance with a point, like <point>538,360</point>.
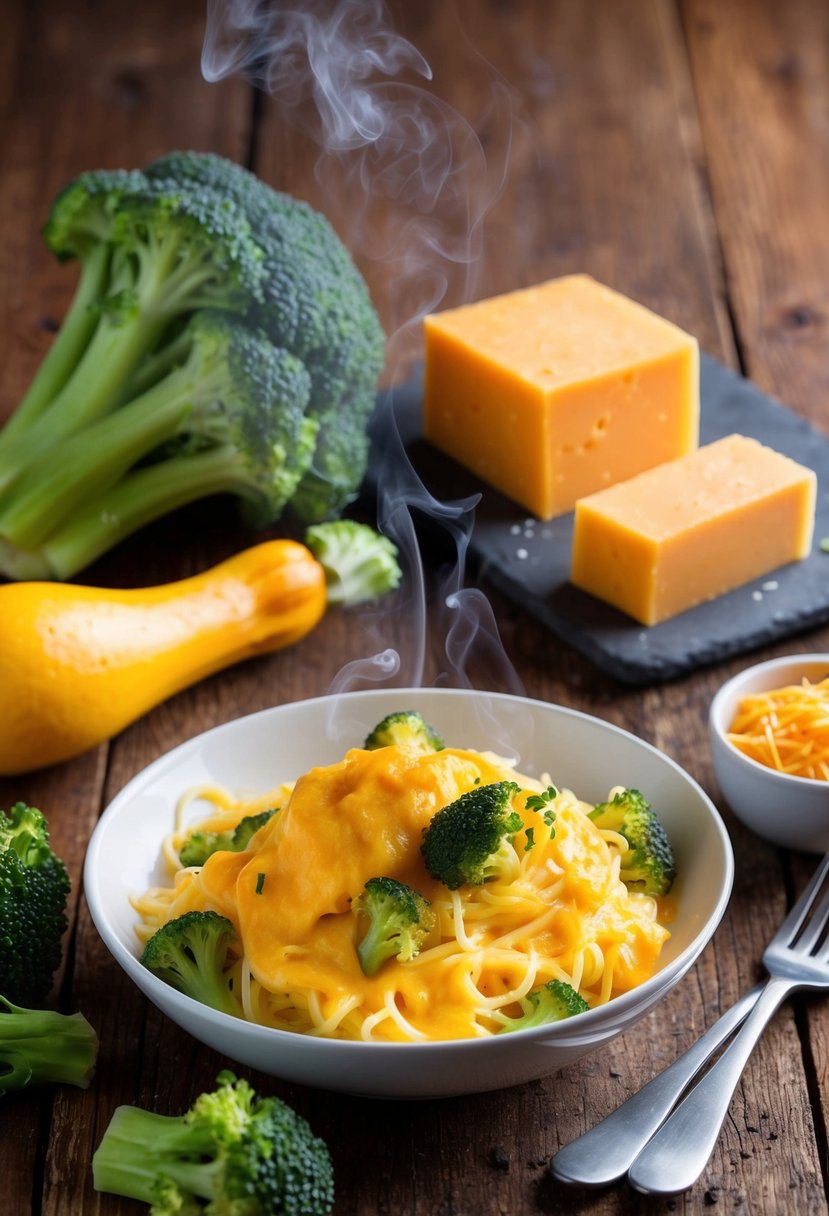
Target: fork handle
<point>606,1152</point>
<point>677,1154</point>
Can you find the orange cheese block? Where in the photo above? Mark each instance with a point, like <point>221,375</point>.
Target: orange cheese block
<point>693,529</point>
<point>554,391</point>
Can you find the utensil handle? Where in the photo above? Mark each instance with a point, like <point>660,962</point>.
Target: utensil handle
<point>606,1152</point>
<point>677,1154</point>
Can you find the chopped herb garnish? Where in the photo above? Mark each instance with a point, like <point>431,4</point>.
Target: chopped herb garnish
<point>260,882</point>
<point>538,802</point>
<point>530,839</point>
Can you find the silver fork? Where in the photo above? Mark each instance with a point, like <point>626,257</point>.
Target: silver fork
<point>664,1147</point>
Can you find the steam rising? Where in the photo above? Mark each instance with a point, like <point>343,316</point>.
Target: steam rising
<point>416,185</point>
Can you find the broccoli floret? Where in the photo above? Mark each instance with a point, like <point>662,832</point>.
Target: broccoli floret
<point>191,954</point>
<point>360,564</point>
<point>200,845</point>
<point>233,1153</point>
<point>405,728</point>
<point>399,920</point>
<point>34,887</point>
<point>468,841</point>
<point>42,1045</point>
<point>649,864</point>
<point>237,398</point>
<point>555,1001</point>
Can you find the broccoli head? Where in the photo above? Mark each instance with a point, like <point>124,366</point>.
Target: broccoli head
<point>41,1045</point>
<point>200,845</point>
<point>648,866</point>
<point>555,1001</point>
<point>234,1153</point>
<point>399,920</point>
<point>404,728</point>
<point>34,886</point>
<point>191,953</point>
<point>468,841</point>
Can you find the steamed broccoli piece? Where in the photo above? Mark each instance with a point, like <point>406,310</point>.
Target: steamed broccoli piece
<point>555,1001</point>
<point>233,1153</point>
<point>399,920</point>
<point>405,728</point>
<point>34,887</point>
<point>200,845</point>
<point>360,564</point>
<point>41,1045</point>
<point>236,394</point>
<point>468,841</point>
<point>649,865</point>
<point>191,954</point>
<point>172,251</point>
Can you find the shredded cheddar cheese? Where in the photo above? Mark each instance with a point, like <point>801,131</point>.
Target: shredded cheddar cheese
<point>786,729</point>
<point>557,910</point>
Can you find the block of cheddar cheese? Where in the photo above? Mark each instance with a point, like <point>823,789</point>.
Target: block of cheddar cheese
<point>554,391</point>
<point>693,528</point>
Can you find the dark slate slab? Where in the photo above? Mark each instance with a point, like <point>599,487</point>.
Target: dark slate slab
<point>529,561</point>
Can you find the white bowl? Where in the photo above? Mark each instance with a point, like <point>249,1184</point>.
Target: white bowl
<point>787,810</point>
<point>254,753</point>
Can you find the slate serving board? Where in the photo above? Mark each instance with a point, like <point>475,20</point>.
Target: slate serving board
<point>529,560</point>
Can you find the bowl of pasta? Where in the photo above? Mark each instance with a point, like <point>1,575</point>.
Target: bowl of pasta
<point>409,892</point>
<point>770,748</point>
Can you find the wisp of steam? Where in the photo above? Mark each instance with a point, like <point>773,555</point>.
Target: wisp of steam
<point>419,186</point>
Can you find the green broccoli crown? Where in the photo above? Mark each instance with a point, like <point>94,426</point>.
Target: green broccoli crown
<point>400,919</point>
<point>404,728</point>
<point>191,954</point>
<point>465,841</point>
<point>200,845</point>
<point>244,1155</point>
<point>82,214</point>
<point>34,886</point>
<point>39,1046</point>
<point>649,865</point>
<point>360,564</point>
<point>552,1003</point>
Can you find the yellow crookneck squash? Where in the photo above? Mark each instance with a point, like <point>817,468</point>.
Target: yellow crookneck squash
<point>78,664</point>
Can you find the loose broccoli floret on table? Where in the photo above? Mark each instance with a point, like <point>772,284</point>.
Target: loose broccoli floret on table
<point>555,1001</point>
<point>191,953</point>
<point>34,886</point>
<point>41,1045</point>
<point>200,845</point>
<point>234,1153</point>
<point>405,728</point>
<point>469,841</point>
<point>648,866</point>
<point>360,564</point>
<point>399,919</point>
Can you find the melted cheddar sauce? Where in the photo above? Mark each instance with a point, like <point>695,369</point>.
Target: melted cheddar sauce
<point>557,911</point>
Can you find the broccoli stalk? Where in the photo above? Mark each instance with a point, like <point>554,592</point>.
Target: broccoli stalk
<point>41,1045</point>
<point>200,845</point>
<point>404,728</point>
<point>233,1149</point>
<point>555,1001</point>
<point>399,919</point>
<point>191,954</point>
<point>34,886</point>
<point>235,391</point>
<point>648,866</point>
<point>469,841</point>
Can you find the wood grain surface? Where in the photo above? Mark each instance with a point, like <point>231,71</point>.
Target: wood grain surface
<point>678,151</point>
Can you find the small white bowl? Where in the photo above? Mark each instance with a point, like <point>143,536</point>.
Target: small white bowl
<point>254,753</point>
<point>784,809</point>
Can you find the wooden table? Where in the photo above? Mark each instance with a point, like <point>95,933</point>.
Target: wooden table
<point>678,151</point>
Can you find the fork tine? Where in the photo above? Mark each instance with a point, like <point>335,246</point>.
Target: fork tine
<point>799,912</point>
<point>812,931</point>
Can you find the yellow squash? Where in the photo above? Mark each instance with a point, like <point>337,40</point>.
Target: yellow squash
<point>78,664</point>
